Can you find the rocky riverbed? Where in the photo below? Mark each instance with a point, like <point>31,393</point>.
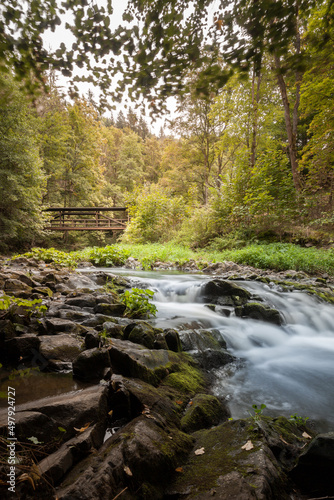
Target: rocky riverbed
<point>135,418</point>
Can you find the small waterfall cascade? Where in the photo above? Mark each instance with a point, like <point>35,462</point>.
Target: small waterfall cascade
<point>290,367</point>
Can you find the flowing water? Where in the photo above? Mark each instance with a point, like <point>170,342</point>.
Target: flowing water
<point>289,368</point>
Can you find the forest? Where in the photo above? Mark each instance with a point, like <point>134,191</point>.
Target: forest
<point>248,156</point>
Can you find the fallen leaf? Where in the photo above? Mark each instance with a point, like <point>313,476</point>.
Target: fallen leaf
<point>283,440</point>
<point>82,428</point>
<point>127,471</point>
<point>26,477</point>
<point>179,469</point>
<point>111,412</point>
<point>307,436</point>
<point>248,446</point>
<point>200,451</point>
<point>179,402</point>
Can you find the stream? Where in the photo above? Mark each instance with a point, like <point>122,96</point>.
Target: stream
<point>289,368</point>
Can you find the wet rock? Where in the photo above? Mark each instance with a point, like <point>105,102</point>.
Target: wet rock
<point>225,470</point>
<point>90,364</point>
<point>113,330</point>
<point>132,360</point>
<point>143,455</point>
<point>21,348</point>
<point>314,470</point>
<point>258,311</point>
<point>203,412</point>
<point>132,263</point>
<point>84,300</point>
<point>173,340</point>
<point>60,347</point>
<point>54,467</point>
<point>92,339</point>
<point>75,315</point>
<point>207,347</point>
<point>60,325</point>
<point>14,285</point>
<point>74,409</point>
<point>141,333</point>
<point>110,309</point>
<point>31,423</point>
<point>132,397</point>
<point>224,293</point>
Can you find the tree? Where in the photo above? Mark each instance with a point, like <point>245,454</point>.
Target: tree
<point>317,90</point>
<point>21,176</point>
<point>153,54</point>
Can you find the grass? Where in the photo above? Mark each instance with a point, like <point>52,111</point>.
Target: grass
<point>276,256</point>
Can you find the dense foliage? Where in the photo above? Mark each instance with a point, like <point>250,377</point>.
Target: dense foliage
<point>248,156</point>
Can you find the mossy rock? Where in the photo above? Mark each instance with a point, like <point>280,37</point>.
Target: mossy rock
<point>186,376</point>
<point>142,333</point>
<point>153,366</point>
<point>255,310</point>
<point>204,411</point>
<point>224,293</point>
<point>221,466</point>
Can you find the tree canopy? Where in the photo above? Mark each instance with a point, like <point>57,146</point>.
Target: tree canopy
<point>156,45</point>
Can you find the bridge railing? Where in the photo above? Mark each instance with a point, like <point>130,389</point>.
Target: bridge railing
<point>87,219</point>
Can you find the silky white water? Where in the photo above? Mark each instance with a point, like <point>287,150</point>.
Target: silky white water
<point>289,368</point>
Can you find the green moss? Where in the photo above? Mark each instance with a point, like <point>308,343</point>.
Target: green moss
<point>205,411</point>
<point>222,455</point>
<point>186,378</point>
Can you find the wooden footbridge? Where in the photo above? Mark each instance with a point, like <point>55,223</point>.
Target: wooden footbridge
<point>87,219</point>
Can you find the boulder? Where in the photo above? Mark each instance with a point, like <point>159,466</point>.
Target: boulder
<point>202,412</point>
<point>53,326</point>
<point>70,410</point>
<point>224,293</point>
<point>90,364</point>
<point>110,309</point>
<point>21,348</point>
<point>314,470</point>
<point>207,347</point>
<point>31,424</point>
<point>140,333</point>
<point>82,300</point>
<point>254,310</point>
<point>140,457</point>
<point>233,461</point>
<point>172,339</point>
<point>64,347</point>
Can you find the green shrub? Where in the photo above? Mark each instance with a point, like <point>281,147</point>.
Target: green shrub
<point>137,302</point>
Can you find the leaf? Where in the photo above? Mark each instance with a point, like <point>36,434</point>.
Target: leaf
<point>281,438</point>
<point>34,440</point>
<point>307,436</point>
<point>127,471</point>
<point>200,451</point>
<point>82,428</point>
<point>179,402</point>
<point>61,429</point>
<point>248,446</point>
<point>26,477</point>
<point>179,469</point>
<point>110,413</point>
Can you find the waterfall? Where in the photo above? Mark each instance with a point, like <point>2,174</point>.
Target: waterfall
<point>290,368</point>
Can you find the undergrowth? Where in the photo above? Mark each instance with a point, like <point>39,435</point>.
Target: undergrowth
<point>276,256</point>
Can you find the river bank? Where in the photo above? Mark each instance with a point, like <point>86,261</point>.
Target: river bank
<point>155,430</point>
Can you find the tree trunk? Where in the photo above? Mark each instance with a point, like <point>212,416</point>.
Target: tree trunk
<point>290,125</point>
<point>256,83</point>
